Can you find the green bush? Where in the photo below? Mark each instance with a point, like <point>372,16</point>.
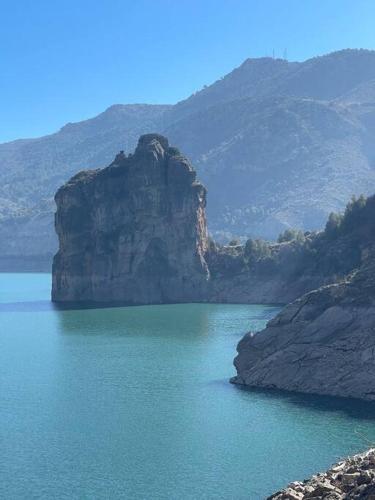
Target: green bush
<point>256,250</point>
<point>290,235</point>
<point>333,224</point>
<point>354,212</point>
<point>173,151</point>
<point>234,243</point>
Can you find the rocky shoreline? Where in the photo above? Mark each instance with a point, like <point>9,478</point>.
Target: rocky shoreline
<point>352,478</point>
<point>323,342</point>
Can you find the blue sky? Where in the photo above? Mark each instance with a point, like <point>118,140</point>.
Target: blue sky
<point>68,60</point>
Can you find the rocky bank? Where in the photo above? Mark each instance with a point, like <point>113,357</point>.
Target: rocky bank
<point>134,232</point>
<point>323,342</point>
<point>352,478</point>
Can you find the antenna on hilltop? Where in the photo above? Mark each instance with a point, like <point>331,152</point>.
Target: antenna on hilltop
<point>273,53</point>
<point>285,56</point>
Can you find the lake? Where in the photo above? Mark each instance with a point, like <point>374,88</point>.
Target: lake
<point>135,403</point>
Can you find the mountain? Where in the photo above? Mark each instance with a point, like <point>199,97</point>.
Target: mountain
<point>277,162</point>
<point>278,144</point>
<point>325,78</point>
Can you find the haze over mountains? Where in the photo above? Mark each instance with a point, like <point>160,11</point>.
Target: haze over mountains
<point>278,144</point>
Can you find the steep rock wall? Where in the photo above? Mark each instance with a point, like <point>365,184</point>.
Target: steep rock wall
<point>322,343</point>
<point>134,232</point>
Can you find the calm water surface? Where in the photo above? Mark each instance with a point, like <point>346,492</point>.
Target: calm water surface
<point>134,403</point>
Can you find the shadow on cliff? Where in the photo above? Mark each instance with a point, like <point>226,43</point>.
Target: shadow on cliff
<point>354,408</point>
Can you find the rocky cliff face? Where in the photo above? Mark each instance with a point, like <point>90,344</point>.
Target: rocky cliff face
<point>324,342</point>
<point>134,232</point>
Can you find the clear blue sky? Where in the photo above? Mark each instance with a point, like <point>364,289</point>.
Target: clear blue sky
<point>68,60</point>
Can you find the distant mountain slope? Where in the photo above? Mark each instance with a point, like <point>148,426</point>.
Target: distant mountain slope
<point>276,162</point>
<point>254,78</point>
<point>325,77</point>
<point>278,144</point>
<point>32,170</point>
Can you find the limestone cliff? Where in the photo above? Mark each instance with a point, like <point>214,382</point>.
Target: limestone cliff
<point>134,232</point>
<point>323,342</point>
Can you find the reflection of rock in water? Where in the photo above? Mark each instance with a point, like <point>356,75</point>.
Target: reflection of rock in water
<point>180,320</point>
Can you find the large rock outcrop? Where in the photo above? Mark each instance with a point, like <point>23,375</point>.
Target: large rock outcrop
<point>134,232</point>
<point>324,342</point>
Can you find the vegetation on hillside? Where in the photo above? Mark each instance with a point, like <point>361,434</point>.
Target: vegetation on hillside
<point>335,251</point>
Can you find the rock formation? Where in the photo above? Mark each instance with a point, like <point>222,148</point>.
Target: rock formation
<point>323,342</point>
<point>352,478</point>
<point>134,232</point>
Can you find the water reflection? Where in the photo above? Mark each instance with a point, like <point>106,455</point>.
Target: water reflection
<point>148,321</point>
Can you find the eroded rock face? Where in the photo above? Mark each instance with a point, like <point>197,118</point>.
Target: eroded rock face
<point>134,232</point>
<point>352,478</point>
<point>322,343</point>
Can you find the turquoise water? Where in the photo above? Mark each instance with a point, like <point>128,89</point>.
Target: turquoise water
<point>135,403</point>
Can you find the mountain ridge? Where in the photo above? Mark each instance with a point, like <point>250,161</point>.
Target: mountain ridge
<point>249,128</point>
